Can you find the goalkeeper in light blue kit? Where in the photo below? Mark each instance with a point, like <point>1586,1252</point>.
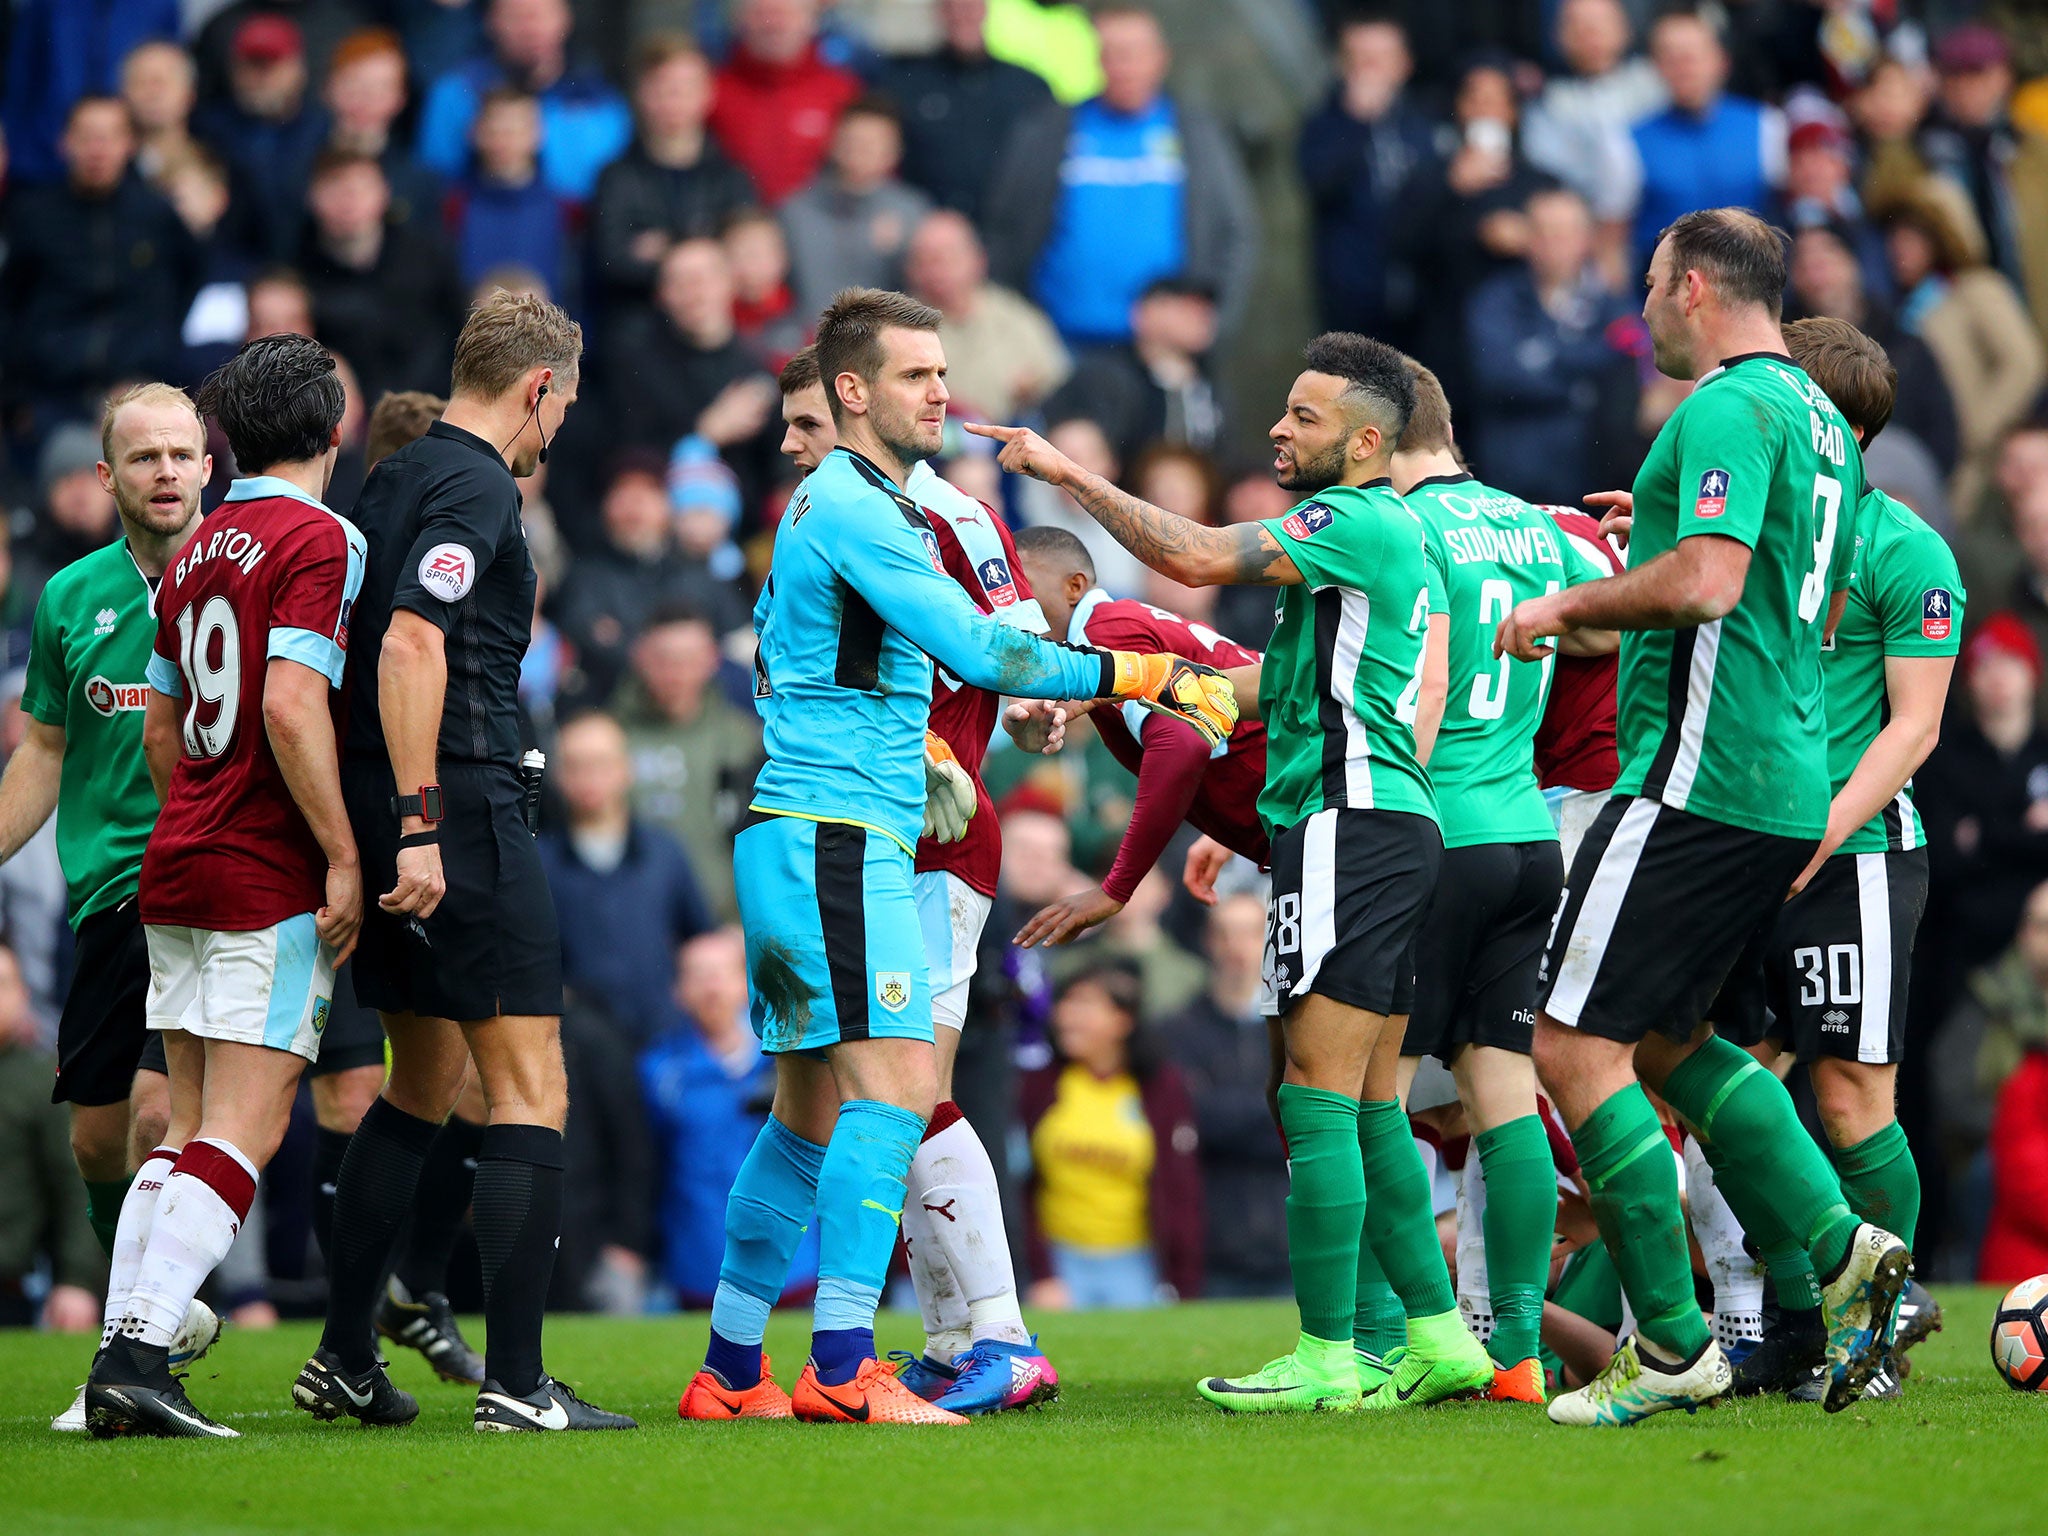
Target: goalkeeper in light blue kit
<point>855,611</point>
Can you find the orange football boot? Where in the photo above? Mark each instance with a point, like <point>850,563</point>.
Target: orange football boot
<point>707,1397</point>
<point>1519,1383</point>
<point>874,1396</point>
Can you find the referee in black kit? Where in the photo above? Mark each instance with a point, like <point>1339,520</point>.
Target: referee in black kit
<point>462,956</point>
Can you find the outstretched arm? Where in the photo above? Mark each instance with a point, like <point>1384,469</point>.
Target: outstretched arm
<point>1696,583</point>
<point>1243,554</point>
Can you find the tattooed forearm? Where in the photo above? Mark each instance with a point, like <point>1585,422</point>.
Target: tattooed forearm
<point>1196,556</point>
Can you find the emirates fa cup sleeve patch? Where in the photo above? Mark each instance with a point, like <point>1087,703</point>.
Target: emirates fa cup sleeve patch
<point>448,571</point>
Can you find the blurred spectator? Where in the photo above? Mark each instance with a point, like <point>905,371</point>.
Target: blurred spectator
<point>98,271</point>
<point>157,83</point>
<point>958,106</point>
<point>612,592</point>
<point>2028,591</point>
<point>1081,438</point>
<point>622,886</point>
<point>321,23</point>
<point>77,514</point>
<point>1055,41</point>
<point>1246,614</point>
<point>2012,1070</point>
<point>32,891</point>
<point>1114,1203</point>
<point>1820,189</point>
<point>1549,359</point>
<point>59,52</point>
<point>1970,139</point>
<point>708,1088</point>
<point>1578,127</point>
<point>366,97</point>
<point>279,303</point>
<point>1828,279</point>
<point>1185,482</point>
<point>1888,112</point>
<point>694,753</point>
<point>384,296</point>
<point>1156,387</point>
<point>585,124</point>
<point>218,319</point>
<point>848,228</point>
<point>1002,354</point>
<point>42,1220</point>
<point>501,211</point>
<point>439,34</point>
<point>1222,1045</point>
<point>1464,220</point>
<point>1169,977</point>
<point>777,97</point>
<point>1971,318</point>
<point>1360,156</point>
<point>684,369</point>
<point>609,1192</point>
<point>1708,149</point>
<point>673,183</point>
<point>1092,203</point>
<point>764,309</point>
<point>268,130</point>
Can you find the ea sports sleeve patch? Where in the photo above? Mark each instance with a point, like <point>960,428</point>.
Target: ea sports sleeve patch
<point>448,571</point>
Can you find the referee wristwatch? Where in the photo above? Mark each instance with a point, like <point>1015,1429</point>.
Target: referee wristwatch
<point>426,804</point>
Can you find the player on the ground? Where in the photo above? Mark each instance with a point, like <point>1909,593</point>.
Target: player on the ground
<point>1482,940</point>
<point>1738,543</point>
<point>1835,975</point>
<point>1350,716</point>
<point>978,1356</point>
<point>82,757</point>
<point>250,890</point>
<point>856,608</point>
<point>1180,776</point>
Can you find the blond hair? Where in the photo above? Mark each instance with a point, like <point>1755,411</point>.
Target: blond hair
<point>1429,424</point>
<point>401,417</point>
<point>507,334</point>
<point>152,393</point>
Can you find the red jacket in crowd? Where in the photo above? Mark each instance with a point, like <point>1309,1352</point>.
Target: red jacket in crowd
<point>2016,1240</point>
<point>774,120</point>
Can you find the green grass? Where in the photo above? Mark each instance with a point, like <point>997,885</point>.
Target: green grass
<point>1128,1449</point>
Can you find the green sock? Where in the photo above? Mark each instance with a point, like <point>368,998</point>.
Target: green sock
<point>1881,1181</point>
<point>1520,1224</point>
<point>1784,1255</point>
<point>1589,1287</point>
<point>1732,1101</point>
<point>1378,1324</point>
<point>1633,1179</point>
<point>1399,1221</point>
<point>1325,1204</point>
<point>103,1199</point>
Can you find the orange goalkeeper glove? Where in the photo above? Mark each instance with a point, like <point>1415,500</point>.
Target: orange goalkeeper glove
<point>1184,690</point>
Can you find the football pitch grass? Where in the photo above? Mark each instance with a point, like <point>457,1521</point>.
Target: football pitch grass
<point>1127,1449</point>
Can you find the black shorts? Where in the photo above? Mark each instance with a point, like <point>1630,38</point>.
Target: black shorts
<point>1840,959</point>
<point>1481,944</point>
<point>354,1036</point>
<point>1660,908</point>
<point>101,1032</point>
<point>492,946</point>
<point>1349,891</point>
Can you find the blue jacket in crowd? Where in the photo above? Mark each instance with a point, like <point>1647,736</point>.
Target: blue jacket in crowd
<point>585,124</point>
<point>1730,156</point>
<point>61,50</point>
<point>1356,174</point>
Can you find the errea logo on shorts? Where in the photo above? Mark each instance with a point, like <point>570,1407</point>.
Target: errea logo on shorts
<point>448,571</point>
<point>111,699</point>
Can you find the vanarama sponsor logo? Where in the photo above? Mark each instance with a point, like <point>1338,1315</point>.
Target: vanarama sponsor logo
<point>111,699</point>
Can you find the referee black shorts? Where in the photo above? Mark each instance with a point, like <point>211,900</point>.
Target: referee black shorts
<point>354,1035</point>
<point>1660,909</point>
<point>101,1032</point>
<point>1349,891</point>
<point>1481,945</point>
<point>492,946</point>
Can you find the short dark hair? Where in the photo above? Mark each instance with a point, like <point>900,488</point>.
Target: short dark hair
<point>800,372</point>
<point>1856,373</point>
<point>400,417</point>
<point>1375,377</point>
<point>506,95</point>
<point>1055,544</point>
<point>850,333</point>
<point>1741,254</point>
<point>1429,424</point>
<point>873,104</point>
<point>674,611</point>
<point>332,162</point>
<point>278,399</point>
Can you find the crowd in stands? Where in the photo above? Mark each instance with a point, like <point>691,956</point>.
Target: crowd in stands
<point>1070,186</point>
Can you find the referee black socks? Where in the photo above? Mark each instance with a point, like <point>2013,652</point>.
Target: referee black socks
<point>379,1176</point>
<point>518,1205</point>
<point>446,1180</point>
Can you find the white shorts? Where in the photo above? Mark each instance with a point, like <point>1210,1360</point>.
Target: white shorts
<point>952,914</point>
<point>270,986</point>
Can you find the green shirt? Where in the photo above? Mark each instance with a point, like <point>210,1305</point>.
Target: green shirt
<point>1344,667</point>
<point>94,627</point>
<point>1905,599</point>
<point>1487,551</point>
<point>1725,719</point>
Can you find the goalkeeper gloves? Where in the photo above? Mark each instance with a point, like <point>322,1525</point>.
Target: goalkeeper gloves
<point>1184,690</point>
<point>948,793</point>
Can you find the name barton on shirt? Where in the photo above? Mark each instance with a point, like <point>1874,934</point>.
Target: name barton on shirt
<point>245,549</point>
